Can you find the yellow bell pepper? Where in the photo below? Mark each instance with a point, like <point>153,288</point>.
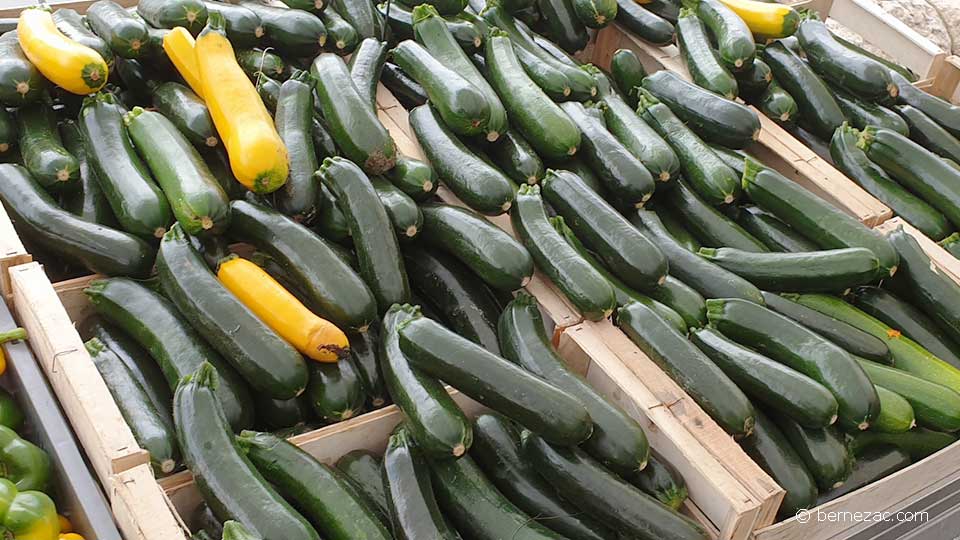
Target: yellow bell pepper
<point>74,67</point>
<point>70,536</point>
<point>26,515</point>
<point>766,21</point>
<point>65,525</point>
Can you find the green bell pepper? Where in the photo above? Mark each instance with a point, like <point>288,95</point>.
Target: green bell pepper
<point>22,462</point>
<point>26,515</point>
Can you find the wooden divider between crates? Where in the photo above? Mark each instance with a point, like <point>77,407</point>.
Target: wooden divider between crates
<point>141,508</point>
<point>12,252</point>
<point>84,396</point>
<point>776,147</point>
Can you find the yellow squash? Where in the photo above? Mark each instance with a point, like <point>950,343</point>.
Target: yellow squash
<point>178,44</point>
<point>313,336</point>
<point>74,67</point>
<point>258,156</point>
<point>766,21</point>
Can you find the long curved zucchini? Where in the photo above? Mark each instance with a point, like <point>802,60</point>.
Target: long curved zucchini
<point>862,113</point>
<point>293,119</point>
<point>365,66</point>
<point>917,443</point>
<point>710,226</point>
<point>705,69</point>
<point>735,41</point>
<point>814,271</point>
<point>929,134</point>
<point>775,234</point>
<point>935,406</point>
<point>858,74</point>
<point>819,112</point>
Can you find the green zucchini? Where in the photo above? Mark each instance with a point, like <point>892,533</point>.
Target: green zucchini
<point>190,14</point>
<point>789,343</point>
<point>824,224</point>
<point>951,244</point>
<point>862,113</point>
<point>144,370</point>
<point>20,81</point>
<point>335,391</point>
<point>331,224</point>
<point>689,367</point>
<point>622,174</point>
<point>407,91</point>
<point>562,25</point>
<point>403,211</point>
<point>650,26</point>
<point>73,25</point>
<point>227,480</point>
<point>414,512</point>
<point>935,406</point>
<point>354,126</point>
<point>706,172</point>
<point>682,299</point>
<point>244,27</point>
<point>152,430</point>
<point>677,228</point>
<point>735,47</point>
<point>869,467</point>
<point>627,72</point>
<point>771,450</point>
<point>896,413</point>
<point>444,7</point>
<point>579,168</point>
<point>595,13</point>
<point>365,67</point>
<point>269,90</point>
<point>41,147</point>
<point>326,498</point>
<point>124,32</point>
<point>323,142</point>
<point>640,138</point>
<point>262,358</point>
<point>198,202</point>
<point>497,451</point>
<point>362,16</point>
<point>854,72</point>
<point>710,226</point>
<point>708,279</point>
<point>918,443</point>
<point>617,441</point>
<point>716,119</point>
<point>365,356</point>
<point>370,228</point>
<point>363,469</point>
<point>517,158</point>
<point>819,111</point>
<point>909,320</point>
<point>631,256</point>
<point>254,61</point>
<point>98,248</point>
<point>704,66</point>
<point>812,271</point>
<point>435,422</point>
<point>188,112</point>
<point>294,120</point>
<point>662,481</point>
<point>281,414</point>
<point>87,201</point>
<point>777,104</point>
<point>332,287</point>
<point>849,337</point>
<point>340,33</point>
<point>154,323</point>
<point>495,382</point>
<point>467,306</point>
<point>753,81</point>
<point>926,132</point>
<point>941,110</point>
<point>775,234</point>
<point>478,184</point>
<point>628,510</point>
<point>413,177</point>
<point>776,386</point>
<point>822,450</point>
<point>852,161</point>
<point>231,530</point>
<point>937,293</point>
<point>292,32</point>
<point>8,131</point>
<point>501,261</point>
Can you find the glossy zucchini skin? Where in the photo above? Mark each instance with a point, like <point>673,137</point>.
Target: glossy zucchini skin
<point>862,113</point>
<point>771,450</point>
<point>945,113</point>
<point>497,451</point>
<point>822,450</point>
<point>628,510</point>
<point>682,299</point>
<point>402,210</point>
<point>332,287</point>
<point>617,440</point>
<point>851,160</point>
<point>94,246</point>
<point>708,279</point>
<point>405,88</point>
<point>701,167</point>
<point>909,320</point>
<point>73,25</point>
<point>850,338</point>
<point>335,391</point>
<point>627,73</point>
<point>677,229</point>
<point>936,292</point>
<point>709,225</point>
<point>87,200</point>
<point>467,306</point>
<point>414,177</point>
<point>735,46</point>
<point>294,119</point>
<point>292,32</point>
<point>125,33</point>
<point>144,370</point>
<point>268,364</point>
<point>377,250</point>
<point>20,81</point>
<point>858,74</point>
<point>928,133</point>
<point>651,26</point>
<point>340,33</point>
<point>364,471</point>
<point>154,323</point>
<point>494,381</point>
<point>365,66</point>
<point>896,413</point>
<point>781,338</point>
<point>935,406</point>
<point>917,443</point>
<point>870,466</point>
<point>772,384</point>
<point>716,119</point>
<point>187,112</point>
<point>326,498</point>
<point>640,139</point>
<point>778,104</point>
<point>362,16</point>
<point>819,112</point>
<point>478,184</point>
<point>230,484</point>
<point>775,234</point>
<point>814,218</point>
<point>631,256</point>
<point>704,66</point>
<point>42,149</point>
<point>244,27</point>
<point>517,158</point>
<point>754,80</point>
<point>660,480</point>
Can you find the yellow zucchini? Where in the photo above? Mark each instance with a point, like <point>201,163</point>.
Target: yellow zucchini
<point>74,67</point>
<point>313,336</point>
<point>179,46</point>
<point>766,20</point>
<point>257,155</point>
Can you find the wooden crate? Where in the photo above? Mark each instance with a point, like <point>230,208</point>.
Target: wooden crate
<point>776,148</point>
<point>12,252</point>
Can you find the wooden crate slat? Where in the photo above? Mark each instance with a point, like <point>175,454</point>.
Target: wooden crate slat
<point>97,421</point>
<point>141,509</point>
<point>12,251</point>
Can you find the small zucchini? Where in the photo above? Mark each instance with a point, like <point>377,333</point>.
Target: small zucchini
<point>42,149</point>
<point>188,112</point>
<point>244,27</point>
<point>517,158</point>
<point>705,69</point>
<point>254,61</point>
<point>734,39</point>
<point>335,391</point>
<point>365,67</point>
<point>413,177</point>
<point>777,104</point>
<point>340,33</point>
<point>819,111</point>
<point>407,91</point>
<point>125,33</point>
<point>640,138</point>
<point>627,72</point>
<point>822,450</point>
<point>402,210</point>
<point>660,480</point>
<point>649,25</point>
<point>595,13</point>
<point>292,32</point>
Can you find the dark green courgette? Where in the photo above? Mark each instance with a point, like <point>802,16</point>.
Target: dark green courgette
<point>244,27</point>
<point>771,450</point>
<point>365,356</point>
<point>822,450</point>
<point>363,469</point>
<point>20,81</point>
<point>640,139</point>
<point>710,226</point>
<point>819,112</point>
<point>677,228</point>
<point>42,149</point>
<point>124,32</point>
<point>661,480</point>
<point>402,210</point>
<point>941,110</point>
<point>365,67</point>
<point>854,72</point>
<point>517,158</point>
<point>562,25</point>
<point>682,299</point>
<point>918,443</point>
<point>414,177</point>
<point>292,32</point>
<point>653,27</point>
<point>340,33</point>
<point>775,234</point>
<point>293,119</point>
<point>188,112</point>
<point>926,132</point>
<point>335,391</point>
<point>362,16</point>
<point>408,91</point>
<point>87,200</point>
<point>813,271</point>
<point>735,46</point>
<point>754,80</point>
<point>281,414</point>
<point>704,66</point>
<point>254,61</point>
<point>777,104</point>
<point>862,113</point>
<point>627,72</point>
<point>145,371</point>
<point>190,14</point>
<point>870,466</point>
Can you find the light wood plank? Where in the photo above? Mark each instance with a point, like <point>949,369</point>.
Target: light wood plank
<point>12,251</point>
<point>141,509</point>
